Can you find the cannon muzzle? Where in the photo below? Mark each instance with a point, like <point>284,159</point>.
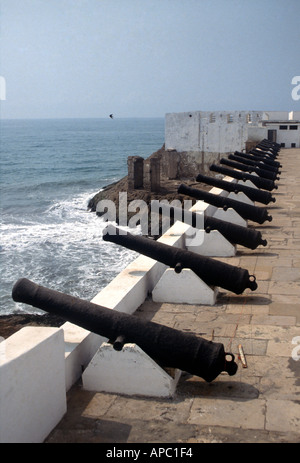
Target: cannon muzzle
<point>266,160</point>
<point>246,211</point>
<point>254,194</point>
<point>259,182</point>
<point>212,272</point>
<point>167,346</point>
<point>254,163</point>
<point>250,169</point>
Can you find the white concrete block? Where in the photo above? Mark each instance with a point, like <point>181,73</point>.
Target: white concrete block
<point>247,183</point>
<point>230,215</point>
<point>32,384</point>
<point>240,196</point>
<point>211,244</point>
<point>205,208</point>
<point>183,288</point>
<point>130,371</point>
<point>80,347</point>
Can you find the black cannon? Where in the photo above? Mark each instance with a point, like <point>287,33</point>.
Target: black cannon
<point>272,154</point>
<point>259,182</point>
<point>167,346</point>
<point>246,211</point>
<point>235,234</point>
<point>254,194</point>
<point>263,159</point>
<point>211,271</point>
<point>260,172</point>
<point>270,143</point>
<point>267,146</point>
<point>252,162</point>
<point>263,154</point>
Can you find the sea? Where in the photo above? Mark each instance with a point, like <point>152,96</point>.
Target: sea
<point>50,169</point>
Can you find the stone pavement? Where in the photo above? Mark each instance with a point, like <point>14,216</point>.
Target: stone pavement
<point>261,403</point>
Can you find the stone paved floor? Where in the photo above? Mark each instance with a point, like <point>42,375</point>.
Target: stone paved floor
<point>261,403</point>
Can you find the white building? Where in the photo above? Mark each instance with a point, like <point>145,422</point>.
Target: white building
<point>283,127</point>
<point>222,132</point>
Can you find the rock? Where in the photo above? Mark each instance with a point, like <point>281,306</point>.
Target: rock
<point>9,324</point>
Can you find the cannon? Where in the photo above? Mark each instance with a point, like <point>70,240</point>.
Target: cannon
<point>235,234</point>
<point>270,143</point>
<point>269,152</point>
<point>263,154</point>
<point>212,272</point>
<point>167,346</point>
<point>252,162</point>
<point>260,172</point>
<point>265,145</point>
<point>246,211</point>
<point>254,194</point>
<point>263,159</point>
<point>259,182</point>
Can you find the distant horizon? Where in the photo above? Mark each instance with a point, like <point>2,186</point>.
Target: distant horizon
<point>77,118</point>
<point>143,117</point>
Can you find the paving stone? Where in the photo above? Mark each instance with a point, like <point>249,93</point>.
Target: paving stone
<point>151,409</point>
<point>278,320</point>
<point>286,274</point>
<point>283,415</point>
<point>293,310</point>
<point>246,414</point>
<point>291,288</point>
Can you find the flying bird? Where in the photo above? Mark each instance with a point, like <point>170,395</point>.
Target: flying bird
<point>111,116</point>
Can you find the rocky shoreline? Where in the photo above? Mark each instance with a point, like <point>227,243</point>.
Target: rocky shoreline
<point>168,191</point>
<point>9,324</point>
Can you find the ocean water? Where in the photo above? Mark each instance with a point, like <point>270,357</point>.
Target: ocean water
<point>49,171</point>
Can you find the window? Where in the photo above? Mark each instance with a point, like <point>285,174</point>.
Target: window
<point>229,118</point>
<point>249,118</point>
<point>212,117</point>
<point>293,127</point>
<point>283,127</point>
<point>282,145</point>
<point>293,145</point>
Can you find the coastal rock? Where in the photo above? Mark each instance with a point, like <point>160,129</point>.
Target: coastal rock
<point>167,191</point>
<point>10,324</point>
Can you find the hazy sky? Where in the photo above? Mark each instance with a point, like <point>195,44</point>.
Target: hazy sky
<point>145,58</point>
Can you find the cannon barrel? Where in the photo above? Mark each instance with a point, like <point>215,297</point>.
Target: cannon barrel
<point>263,159</point>
<point>259,182</point>
<point>254,194</point>
<point>271,147</point>
<point>260,172</point>
<point>246,211</point>
<point>268,152</point>
<point>235,234</point>
<point>269,144</point>
<point>263,154</point>
<point>211,271</point>
<point>169,347</point>
<point>252,162</point>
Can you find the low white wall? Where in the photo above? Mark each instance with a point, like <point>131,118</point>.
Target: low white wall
<point>32,384</point>
<point>209,132</point>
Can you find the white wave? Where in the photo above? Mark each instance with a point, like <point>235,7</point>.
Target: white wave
<point>63,250</point>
